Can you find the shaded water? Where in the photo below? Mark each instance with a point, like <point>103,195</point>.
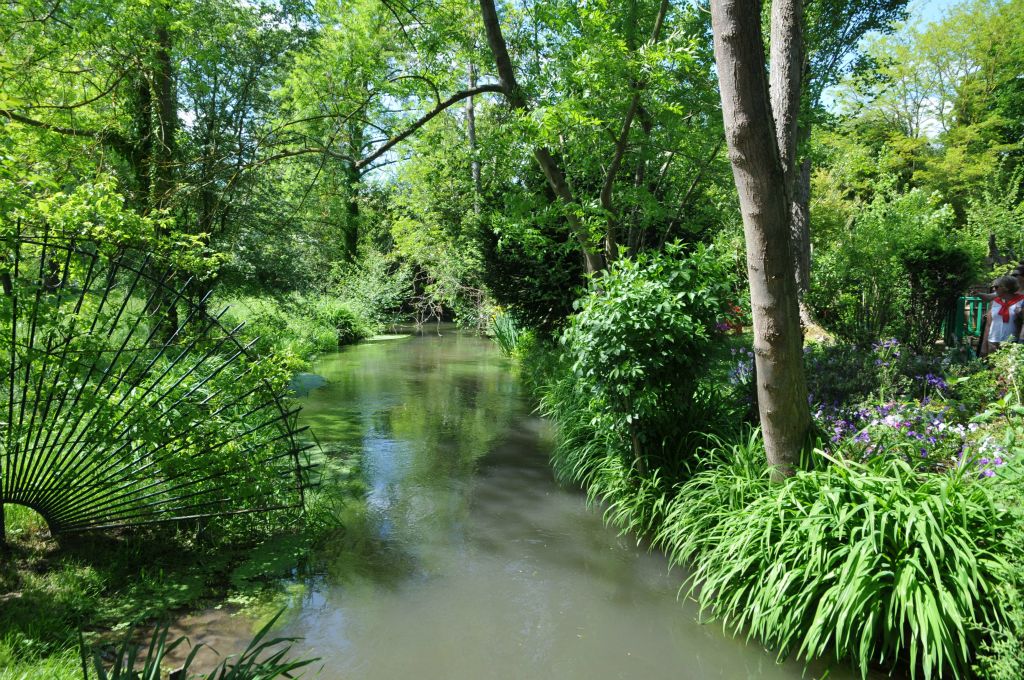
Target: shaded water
<point>469,561</point>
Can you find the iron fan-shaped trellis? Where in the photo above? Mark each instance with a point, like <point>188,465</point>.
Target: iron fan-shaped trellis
<point>124,402</point>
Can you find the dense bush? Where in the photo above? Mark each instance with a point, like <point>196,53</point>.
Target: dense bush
<point>637,343</point>
<point>374,288</point>
<point>296,327</point>
<point>895,273</point>
<point>346,321</point>
<point>535,281</point>
<point>876,563</point>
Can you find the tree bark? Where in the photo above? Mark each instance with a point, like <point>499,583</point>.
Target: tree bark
<point>788,61</point>
<point>784,86</point>
<point>800,232</point>
<point>167,119</point>
<point>353,176</point>
<point>474,161</point>
<point>142,156</point>
<point>760,181</point>
<point>552,171</point>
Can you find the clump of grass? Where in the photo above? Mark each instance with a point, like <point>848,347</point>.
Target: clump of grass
<point>1002,656</point>
<point>874,562</point>
<point>506,332</point>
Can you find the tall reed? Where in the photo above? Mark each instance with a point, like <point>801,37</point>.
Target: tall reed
<point>506,332</point>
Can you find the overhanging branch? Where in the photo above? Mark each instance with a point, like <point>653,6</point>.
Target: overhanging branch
<point>424,119</point>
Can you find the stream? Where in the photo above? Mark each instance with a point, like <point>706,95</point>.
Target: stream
<point>468,561</point>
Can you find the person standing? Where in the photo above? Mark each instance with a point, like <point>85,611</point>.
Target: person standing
<point>1004,313</point>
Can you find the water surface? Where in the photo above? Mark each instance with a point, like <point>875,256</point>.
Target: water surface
<point>469,562</point>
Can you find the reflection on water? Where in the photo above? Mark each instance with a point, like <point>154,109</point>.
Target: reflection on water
<point>469,562</point>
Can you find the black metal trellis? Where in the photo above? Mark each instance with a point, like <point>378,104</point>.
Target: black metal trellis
<point>125,402</point>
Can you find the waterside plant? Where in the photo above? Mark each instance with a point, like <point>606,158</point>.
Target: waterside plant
<point>897,545</point>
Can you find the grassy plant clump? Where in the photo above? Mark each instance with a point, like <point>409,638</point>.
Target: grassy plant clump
<point>297,327</point>
<point>506,332</point>
<point>1001,657</point>
<point>873,562</point>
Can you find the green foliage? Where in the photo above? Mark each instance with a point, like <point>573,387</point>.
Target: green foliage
<point>875,562</point>
<point>1002,657</point>
<point>296,327</point>
<point>939,271</point>
<point>895,273</point>
<point>638,340</point>
<point>94,210</point>
<point>375,288</point>
<point>343,318</point>
<point>999,212</point>
<point>506,332</point>
<point>533,275</point>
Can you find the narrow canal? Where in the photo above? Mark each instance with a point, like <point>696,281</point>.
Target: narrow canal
<point>469,562</point>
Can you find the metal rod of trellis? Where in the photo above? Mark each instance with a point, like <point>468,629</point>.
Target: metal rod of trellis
<point>82,395</point>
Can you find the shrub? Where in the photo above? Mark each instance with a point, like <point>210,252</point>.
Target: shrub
<point>938,270</point>
<point>346,321</point>
<point>536,276</point>
<point>637,344</point>
<point>1002,657</point>
<point>374,288</point>
<point>896,272</point>
<point>872,562</point>
<point>296,327</point>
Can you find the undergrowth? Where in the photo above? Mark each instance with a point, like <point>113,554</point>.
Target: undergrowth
<point>862,560</point>
<point>875,562</point>
<point>297,327</point>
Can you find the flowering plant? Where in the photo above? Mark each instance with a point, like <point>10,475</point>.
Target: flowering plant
<point>930,436</point>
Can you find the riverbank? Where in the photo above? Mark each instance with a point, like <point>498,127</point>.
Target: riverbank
<point>897,546</point>
<point>96,588</point>
<point>105,586</point>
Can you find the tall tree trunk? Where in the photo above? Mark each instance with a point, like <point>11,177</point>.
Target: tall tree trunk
<point>800,232</point>
<point>474,160</point>
<point>784,87</point>
<point>760,181</point>
<point>142,150</point>
<point>167,118</point>
<point>788,62</point>
<point>352,179</point>
<point>552,171</point>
